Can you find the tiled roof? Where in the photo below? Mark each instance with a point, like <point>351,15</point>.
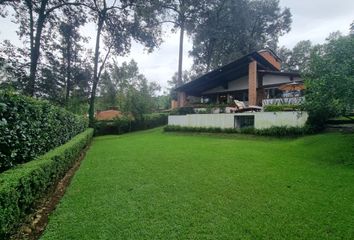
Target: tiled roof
<point>108,115</point>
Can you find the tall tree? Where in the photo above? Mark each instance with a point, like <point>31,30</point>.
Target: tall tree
<point>118,23</point>
<point>229,29</point>
<point>70,47</point>
<point>183,14</point>
<point>32,17</point>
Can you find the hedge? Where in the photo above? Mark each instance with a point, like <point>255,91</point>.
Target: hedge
<point>282,107</point>
<point>22,185</point>
<point>30,127</point>
<point>127,124</point>
<point>272,131</point>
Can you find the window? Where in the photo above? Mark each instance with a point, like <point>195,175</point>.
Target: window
<point>244,121</point>
<point>273,93</point>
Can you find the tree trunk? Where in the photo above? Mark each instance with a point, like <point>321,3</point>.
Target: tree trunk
<point>95,73</point>
<point>68,72</point>
<point>35,50</point>
<point>180,57</point>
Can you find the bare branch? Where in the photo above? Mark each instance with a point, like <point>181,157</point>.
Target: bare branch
<point>62,5</point>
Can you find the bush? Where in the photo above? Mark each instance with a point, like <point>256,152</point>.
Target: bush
<point>272,131</point>
<point>283,131</point>
<point>183,111</point>
<point>127,124</point>
<point>22,185</point>
<point>174,128</point>
<point>30,127</point>
<point>281,108</point>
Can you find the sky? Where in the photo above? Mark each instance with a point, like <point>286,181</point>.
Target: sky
<point>312,20</point>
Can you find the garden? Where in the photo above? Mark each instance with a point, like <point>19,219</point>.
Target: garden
<point>162,185</point>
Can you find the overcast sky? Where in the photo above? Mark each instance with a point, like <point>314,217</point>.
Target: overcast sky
<point>312,20</point>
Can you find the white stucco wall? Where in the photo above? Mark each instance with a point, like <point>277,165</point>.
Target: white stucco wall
<point>280,119</point>
<point>242,83</point>
<point>262,119</point>
<point>276,79</point>
<point>234,85</point>
<point>203,120</point>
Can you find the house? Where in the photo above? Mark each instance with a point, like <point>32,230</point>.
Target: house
<point>255,79</point>
<point>107,115</point>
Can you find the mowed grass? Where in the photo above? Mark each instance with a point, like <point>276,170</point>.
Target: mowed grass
<point>155,185</point>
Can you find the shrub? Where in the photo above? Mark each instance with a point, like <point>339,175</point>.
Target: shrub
<point>283,131</point>
<point>281,108</point>
<point>22,185</point>
<point>183,111</point>
<point>272,131</point>
<point>30,127</point>
<point>174,128</point>
<point>127,124</point>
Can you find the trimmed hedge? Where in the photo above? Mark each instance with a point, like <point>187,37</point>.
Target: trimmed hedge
<point>282,107</point>
<point>272,131</point>
<point>21,186</point>
<point>30,127</point>
<point>127,124</point>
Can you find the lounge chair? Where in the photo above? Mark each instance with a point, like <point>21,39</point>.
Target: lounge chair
<point>241,107</point>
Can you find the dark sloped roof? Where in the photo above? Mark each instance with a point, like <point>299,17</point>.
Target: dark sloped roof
<point>224,74</point>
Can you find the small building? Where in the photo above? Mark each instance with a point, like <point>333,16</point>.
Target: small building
<point>254,79</point>
<point>107,115</point>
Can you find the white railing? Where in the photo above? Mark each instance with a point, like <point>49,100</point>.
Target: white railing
<point>279,101</point>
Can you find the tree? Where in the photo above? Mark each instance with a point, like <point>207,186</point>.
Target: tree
<point>107,91</point>
<point>32,17</point>
<point>330,80</point>
<point>126,88</point>
<point>229,29</point>
<point>183,15</point>
<point>174,82</point>
<point>118,23</point>
<point>296,59</point>
<point>14,66</point>
<point>70,47</point>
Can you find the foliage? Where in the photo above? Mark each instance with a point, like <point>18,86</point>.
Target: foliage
<point>29,127</point>
<point>182,111</point>
<point>175,82</point>
<point>282,107</point>
<point>330,80</point>
<point>272,131</point>
<point>125,88</point>
<point>154,185</point>
<point>33,18</point>
<point>229,29</point>
<point>21,186</point>
<point>296,59</point>
<point>118,23</point>
<point>127,124</point>
<point>163,102</point>
<point>61,69</point>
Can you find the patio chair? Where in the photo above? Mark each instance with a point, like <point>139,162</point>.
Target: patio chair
<point>241,107</point>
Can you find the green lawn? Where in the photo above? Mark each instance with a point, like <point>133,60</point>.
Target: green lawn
<point>155,185</point>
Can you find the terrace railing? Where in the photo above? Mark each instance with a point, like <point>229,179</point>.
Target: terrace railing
<point>279,101</point>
